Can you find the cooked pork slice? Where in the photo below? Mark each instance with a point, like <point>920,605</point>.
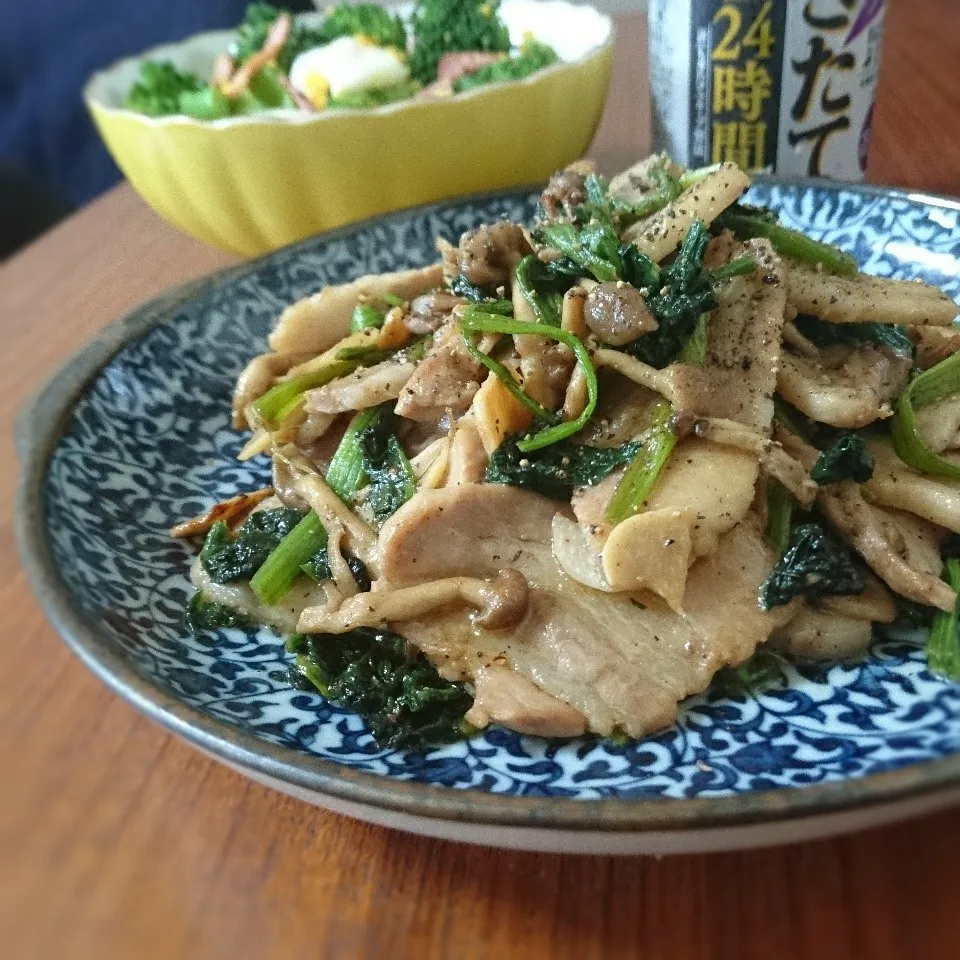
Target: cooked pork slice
<point>566,191</point>
<point>446,379</point>
<point>590,507</point>
<point>844,387</point>
<point>866,299</point>
<point>430,311</point>
<point>744,334</point>
<point>487,256</point>
<point>501,695</point>
<point>894,484</point>
<point>317,322</point>
<point>365,387</point>
<point>622,662</point>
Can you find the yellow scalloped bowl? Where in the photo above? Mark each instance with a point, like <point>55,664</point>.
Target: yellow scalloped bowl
<point>252,184</point>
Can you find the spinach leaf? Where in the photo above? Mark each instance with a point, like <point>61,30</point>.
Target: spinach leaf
<point>554,471</point>
<point>682,293</point>
<point>390,476</point>
<point>763,671</point>
<point>893,337</point>
<point>203,615</point>
<point>230,557</point>
<point>406,703</point>
<point>462,287</point>
<point>848,458</point>
<point>542,289</point>
<point>815,565</point>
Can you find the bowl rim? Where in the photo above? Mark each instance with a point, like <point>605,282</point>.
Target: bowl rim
<point>96,104</point>
<point>43,421</point>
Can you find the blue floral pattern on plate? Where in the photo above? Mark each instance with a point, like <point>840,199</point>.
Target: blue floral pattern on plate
<point>151,443</point>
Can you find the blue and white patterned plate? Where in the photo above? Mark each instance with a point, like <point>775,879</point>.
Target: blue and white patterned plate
<point>134,434</point>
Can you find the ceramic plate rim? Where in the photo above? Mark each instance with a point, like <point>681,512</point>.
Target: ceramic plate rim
<point>39,428</point>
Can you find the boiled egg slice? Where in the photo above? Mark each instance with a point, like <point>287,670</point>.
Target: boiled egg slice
<point>346,65</point>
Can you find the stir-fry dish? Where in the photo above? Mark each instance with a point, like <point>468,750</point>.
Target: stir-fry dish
<point>358,57</point>
<point>561,478</point>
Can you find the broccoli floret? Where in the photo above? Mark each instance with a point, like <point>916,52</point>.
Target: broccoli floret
<point>159,87</point>
<point>446,26</point>
<point>367,19</point>
<point>252,33</point>
<point>379,97</point>
<point>533,56</point>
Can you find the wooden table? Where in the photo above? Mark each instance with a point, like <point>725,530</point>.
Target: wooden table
<point>118,841</point>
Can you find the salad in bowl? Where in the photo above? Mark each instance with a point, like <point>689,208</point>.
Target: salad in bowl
<point>254,138</point>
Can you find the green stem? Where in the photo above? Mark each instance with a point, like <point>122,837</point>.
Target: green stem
<point>506,378</point>
<point>932,385</point>
<point>280,401</point>
<point>791,243</point>
<point>281,569</point>
<point>475,321</point>
<point>738,267</point>
<point>943,644</point>
<point>345,475</point>
<point>635,487</point>
<point>780,506</point>
<point>365,317</point>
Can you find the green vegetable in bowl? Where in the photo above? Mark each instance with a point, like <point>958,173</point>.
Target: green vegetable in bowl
<point>447,26</point>
<point>556,470</point>
<point>847,458</point>
<point>203,615</point>
<point>228,557</point>
<point>378,97</point>
<point>533,56</point>
<point>160,87</point>
<point>363,19</point>
<point>407,704</point>
<point>814,565</point>
<point>252,33</point>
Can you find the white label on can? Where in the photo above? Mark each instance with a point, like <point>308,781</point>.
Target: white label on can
<point>670,24</point>
<point>831,57</point>
<point>769,84</point>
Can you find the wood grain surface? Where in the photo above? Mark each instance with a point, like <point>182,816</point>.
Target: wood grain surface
<point>118,841</point>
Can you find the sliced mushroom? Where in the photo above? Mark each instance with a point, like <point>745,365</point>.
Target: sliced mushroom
<point>866,299</point>
<point>366,387</point>
<point>500,603</point>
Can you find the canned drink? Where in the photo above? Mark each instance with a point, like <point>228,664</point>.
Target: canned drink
<point>773,85</point>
